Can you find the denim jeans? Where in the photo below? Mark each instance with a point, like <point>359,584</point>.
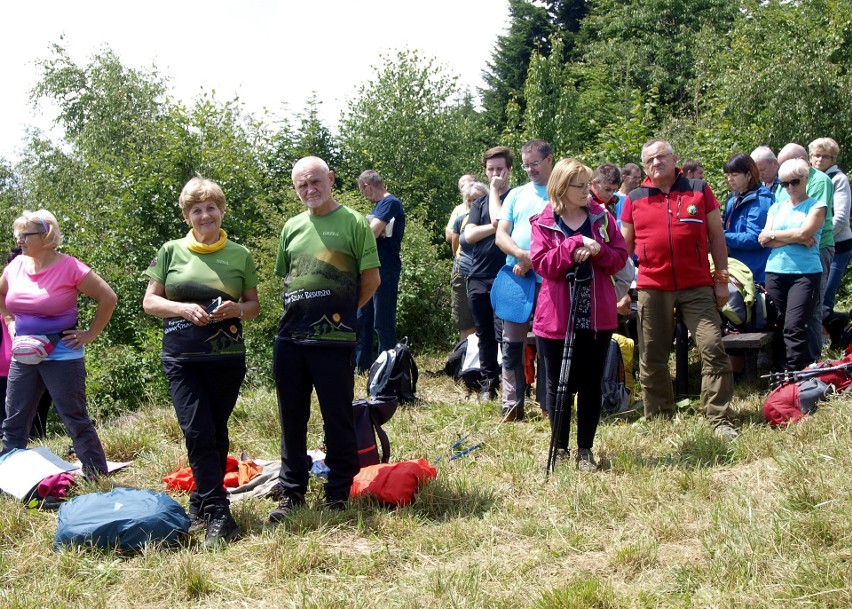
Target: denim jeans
<point>378,316</point>
<point>835,277</point>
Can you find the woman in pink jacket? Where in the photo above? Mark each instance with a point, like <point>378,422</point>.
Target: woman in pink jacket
<point>572,231</point>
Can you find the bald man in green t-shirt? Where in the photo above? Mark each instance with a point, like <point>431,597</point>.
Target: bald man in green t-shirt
<point>328,259</point>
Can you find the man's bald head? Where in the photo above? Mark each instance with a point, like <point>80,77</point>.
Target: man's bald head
<point>792,151</point>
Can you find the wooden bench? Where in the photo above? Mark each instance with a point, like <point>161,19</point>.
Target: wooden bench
<point>747,344</point>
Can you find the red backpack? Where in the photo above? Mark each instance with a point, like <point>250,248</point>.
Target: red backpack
<point>799,392</point>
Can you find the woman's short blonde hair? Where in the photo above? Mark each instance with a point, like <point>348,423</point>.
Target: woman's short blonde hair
<point>41,221</point>
<point>825,145</point>
<point>793,169</point>
<point>200,189</point>
<point>565,173</point>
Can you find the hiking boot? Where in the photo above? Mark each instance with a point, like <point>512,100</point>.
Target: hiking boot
<point>725,431</point>
<point>197,522</point>
<point>290,502</point>
<point>586,461</point>
<point>221,529</point>
<point>516,413</point>
<point>334,505</point>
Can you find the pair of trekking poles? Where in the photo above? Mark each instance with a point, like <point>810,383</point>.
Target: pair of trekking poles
<point>578,277</point>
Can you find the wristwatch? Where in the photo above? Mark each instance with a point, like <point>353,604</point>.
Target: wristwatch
<point>772,236</point>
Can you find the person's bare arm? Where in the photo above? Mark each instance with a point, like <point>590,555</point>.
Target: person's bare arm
<point>377,226</point>
<point>369,283</point>
<point>155,303</point>
<point>629,237</point>
<point>7,317</point>
<point>473,233</point>
<point>719,253</point>
<point>98,290</point>
<point>508,246</point>
<point>499,184</point>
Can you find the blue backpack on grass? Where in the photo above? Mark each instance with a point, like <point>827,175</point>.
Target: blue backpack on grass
<point>123,518</point>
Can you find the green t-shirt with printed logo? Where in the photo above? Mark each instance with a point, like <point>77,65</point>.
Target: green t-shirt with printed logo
<point>321,259</point>
<point>201,278</point>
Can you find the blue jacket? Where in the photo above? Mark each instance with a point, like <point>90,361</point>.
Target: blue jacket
<point>745,217</point>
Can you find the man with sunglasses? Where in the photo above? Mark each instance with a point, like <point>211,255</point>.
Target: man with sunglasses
<point>820,188</point>
<point>672,223</point>
<point>513,238</point>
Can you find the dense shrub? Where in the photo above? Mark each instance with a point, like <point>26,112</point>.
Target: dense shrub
<point>121,378</point>
<point>424,290</point>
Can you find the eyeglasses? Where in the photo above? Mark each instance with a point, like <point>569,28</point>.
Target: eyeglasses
<point>586,186</point>
<point>659,157</point>
<point>23,236</point>
<point>821,155</point>
<point>795,182</point>
<point>533,165</point>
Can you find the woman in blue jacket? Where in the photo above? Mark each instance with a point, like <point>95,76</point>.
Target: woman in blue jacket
<point>745,214</point>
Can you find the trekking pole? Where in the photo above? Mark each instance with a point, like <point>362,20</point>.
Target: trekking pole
<point>574,278</point>
<point>777,379</point>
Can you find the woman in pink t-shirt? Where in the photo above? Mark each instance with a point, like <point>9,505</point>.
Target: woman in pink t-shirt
<point>38,297</point>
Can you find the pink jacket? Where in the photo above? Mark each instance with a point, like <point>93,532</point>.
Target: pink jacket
<point>551,253</point>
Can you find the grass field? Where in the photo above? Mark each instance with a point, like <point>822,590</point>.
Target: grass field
<point>676,518</point>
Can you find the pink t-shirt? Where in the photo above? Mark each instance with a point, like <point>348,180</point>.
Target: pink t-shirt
<point>45,302</point>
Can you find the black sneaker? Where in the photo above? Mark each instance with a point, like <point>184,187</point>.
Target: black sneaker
<point>221,529</point>
<point>289,502</point>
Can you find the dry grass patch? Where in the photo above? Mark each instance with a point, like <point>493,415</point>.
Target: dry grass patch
<point>676,518</point>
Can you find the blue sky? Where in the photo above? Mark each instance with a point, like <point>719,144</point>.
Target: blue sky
<point>272,54</point>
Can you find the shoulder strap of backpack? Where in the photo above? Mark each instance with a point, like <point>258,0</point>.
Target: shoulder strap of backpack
<point>383,437</point>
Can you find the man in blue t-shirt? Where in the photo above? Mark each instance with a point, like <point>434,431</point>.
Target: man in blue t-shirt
<point>387,221</point>
<point>513,238</point>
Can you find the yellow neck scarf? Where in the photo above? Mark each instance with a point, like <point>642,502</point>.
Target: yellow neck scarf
<point>203,248</point>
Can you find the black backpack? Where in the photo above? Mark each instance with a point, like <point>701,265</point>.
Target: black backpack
<point>463,364</point>
<point>394,373</point>
<point>369,416</point>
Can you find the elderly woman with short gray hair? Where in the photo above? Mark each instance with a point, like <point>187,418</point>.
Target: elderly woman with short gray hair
<point>793,269</point>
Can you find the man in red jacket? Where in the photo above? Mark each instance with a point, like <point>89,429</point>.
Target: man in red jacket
<point>671,223</point>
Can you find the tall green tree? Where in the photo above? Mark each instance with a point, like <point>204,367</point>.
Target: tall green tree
<point>412,124</point>
<point>551,112</point>
<point>783,73</point>
<point>312,137</point>
<point>530,28</point>
<point>645,45</point>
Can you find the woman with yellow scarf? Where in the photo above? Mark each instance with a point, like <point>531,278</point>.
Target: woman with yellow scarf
<point>204,287</point>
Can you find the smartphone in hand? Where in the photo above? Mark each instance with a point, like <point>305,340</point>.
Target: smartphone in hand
<point>214,305</point>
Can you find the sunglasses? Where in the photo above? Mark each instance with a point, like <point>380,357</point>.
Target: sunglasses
<point>795,182</point>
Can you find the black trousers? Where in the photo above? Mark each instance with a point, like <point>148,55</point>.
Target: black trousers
<point>204,395</point>
<point>795,297</point>
<point>298,369</point>
<point>489,329</point>
<point>584,380</point>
